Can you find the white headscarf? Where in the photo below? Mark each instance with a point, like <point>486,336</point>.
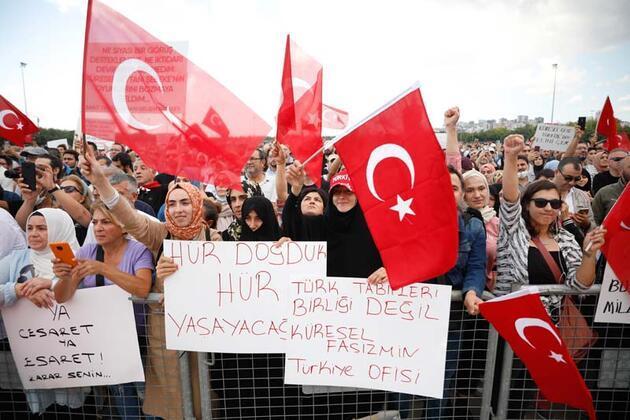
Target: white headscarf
<point>487,212</point>
<point>60,229</point>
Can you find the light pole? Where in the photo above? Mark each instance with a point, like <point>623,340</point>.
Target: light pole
<point>22,65</point>
<point>553,100</point>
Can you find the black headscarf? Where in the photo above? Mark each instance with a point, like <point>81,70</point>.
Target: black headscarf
<point>270,230</point>
<point>351,249</point>
<point>299,227</point>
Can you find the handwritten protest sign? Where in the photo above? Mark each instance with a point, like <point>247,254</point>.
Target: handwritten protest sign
<point>231,296</point>
<point>344,332</point>
<point>89,340</point>
<point>553,136</point>
<point>614,300</point>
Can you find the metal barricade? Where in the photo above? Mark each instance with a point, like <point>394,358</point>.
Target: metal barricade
<point>605,367</point>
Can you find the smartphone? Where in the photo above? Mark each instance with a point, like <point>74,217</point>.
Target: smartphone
<point>582,123</point>
<point>28,174</point>
<point>63,251</point>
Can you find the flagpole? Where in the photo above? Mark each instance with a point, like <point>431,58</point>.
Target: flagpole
<point>553,100</point>
<point>22,65</point>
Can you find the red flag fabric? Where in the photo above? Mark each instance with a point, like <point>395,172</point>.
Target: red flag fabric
<point>141,92</point>
<point>398,172</point>
<point>300,113</point>
<point>617,240</point>
<point>607,125</point>
<point>15,126</point>
<point>333,117</point>
<point>618,141</point>
<point>521,319</point>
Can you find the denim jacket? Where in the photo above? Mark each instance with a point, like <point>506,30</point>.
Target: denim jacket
<point>469,272</point>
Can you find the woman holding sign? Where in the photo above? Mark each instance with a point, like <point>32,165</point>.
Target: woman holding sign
<point>184,221</point>
<point>114,259</point>
<point>28,273</point>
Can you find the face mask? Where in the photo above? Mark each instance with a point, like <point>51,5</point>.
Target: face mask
<point>522,174</point>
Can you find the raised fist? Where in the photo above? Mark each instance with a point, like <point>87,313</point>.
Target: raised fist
<point>513,145</point>
<point>451,116</point>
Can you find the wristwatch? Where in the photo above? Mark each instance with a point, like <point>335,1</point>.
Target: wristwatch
<point>53,189</point>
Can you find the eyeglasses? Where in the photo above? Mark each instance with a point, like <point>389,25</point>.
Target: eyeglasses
<point>570,178</point>
<point>70,189</point>
<point>541,203</point>
<point>252,159</point>
<point>618,159</point>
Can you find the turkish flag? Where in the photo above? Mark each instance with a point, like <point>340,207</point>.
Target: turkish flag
<point>300,113</point>
<point>333,117</point>
<point>607,125</point>
<point>141,92</point>
<point>617,240</point>
<point>15,126</point>
<point>618,141</point>
<point>397,169</point>
<point>521,319</point>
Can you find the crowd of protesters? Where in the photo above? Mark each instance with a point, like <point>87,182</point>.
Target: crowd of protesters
<point>516,204</point>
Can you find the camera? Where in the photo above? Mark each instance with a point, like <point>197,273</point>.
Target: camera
<point>13,173</point>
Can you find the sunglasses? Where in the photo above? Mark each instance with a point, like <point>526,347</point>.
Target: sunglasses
<point>618,159</point>
<point>70,189</point>
<point>570,178</point>
<point>541,203</point>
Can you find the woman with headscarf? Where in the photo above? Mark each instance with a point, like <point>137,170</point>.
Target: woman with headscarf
<point>28,273</point>
<point>303,212</point>
<point>184,221</point>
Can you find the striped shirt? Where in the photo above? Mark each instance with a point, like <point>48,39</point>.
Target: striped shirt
<point>513,249</point>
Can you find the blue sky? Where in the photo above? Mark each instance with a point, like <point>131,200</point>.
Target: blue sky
<point>492,58</point>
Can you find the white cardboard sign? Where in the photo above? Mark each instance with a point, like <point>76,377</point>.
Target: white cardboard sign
<point>613,304</point>
<point>345,332</point>
<point>89,340</point>
<point>231,296</point>
<point>554,137</point>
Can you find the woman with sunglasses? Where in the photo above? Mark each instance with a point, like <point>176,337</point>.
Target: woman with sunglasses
<point>529,230</point>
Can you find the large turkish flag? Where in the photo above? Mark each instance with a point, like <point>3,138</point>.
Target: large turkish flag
<point>140,91</point>
<point>15,126</point>
<point>521,319</point>
<point>300,113</point>
<point>617,245</point>
<point>399,174</point>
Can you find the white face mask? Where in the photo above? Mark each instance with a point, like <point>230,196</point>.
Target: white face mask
<point>522,174</point>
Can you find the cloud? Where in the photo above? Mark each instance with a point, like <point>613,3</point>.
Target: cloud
<point>575,99</point>
<point>66,5</point>
<point>624,79</point>
<point>625,98</point>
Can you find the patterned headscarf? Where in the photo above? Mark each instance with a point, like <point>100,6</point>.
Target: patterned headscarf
<point>197,223</point>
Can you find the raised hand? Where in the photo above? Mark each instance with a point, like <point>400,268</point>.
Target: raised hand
<point>90,167</point>
<point>451,116</point>
<point>513,145</point>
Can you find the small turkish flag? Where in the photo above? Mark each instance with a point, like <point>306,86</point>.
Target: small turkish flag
<point>521,319</point>
<point>300,113</point>
<point>141,92</point>
<point>15,126</point>
<point>333,117</point>
<point>397,168</point>
<point>607,125</point>
<point>617,240</point>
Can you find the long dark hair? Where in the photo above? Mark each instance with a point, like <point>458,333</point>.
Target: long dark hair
<point>528,194</point>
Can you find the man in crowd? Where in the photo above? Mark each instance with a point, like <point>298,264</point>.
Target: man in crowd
<point>71,161</point>
<point>255,175</point>
<point>123,162</point>
<point>151,191</point>
<point>522,165</point>
<point>115,149</point>
<point>567,175</point>
<point>611,176</point>
<point>608,195</point>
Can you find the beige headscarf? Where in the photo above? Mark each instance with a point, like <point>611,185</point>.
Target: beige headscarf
<point>197,223</point>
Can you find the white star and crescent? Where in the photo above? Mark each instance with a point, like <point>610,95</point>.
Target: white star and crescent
<point>624,226</point>
<point>382,152</point>
<point>6,112</point>
<point>119,86</point>
<point>522,323</point>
